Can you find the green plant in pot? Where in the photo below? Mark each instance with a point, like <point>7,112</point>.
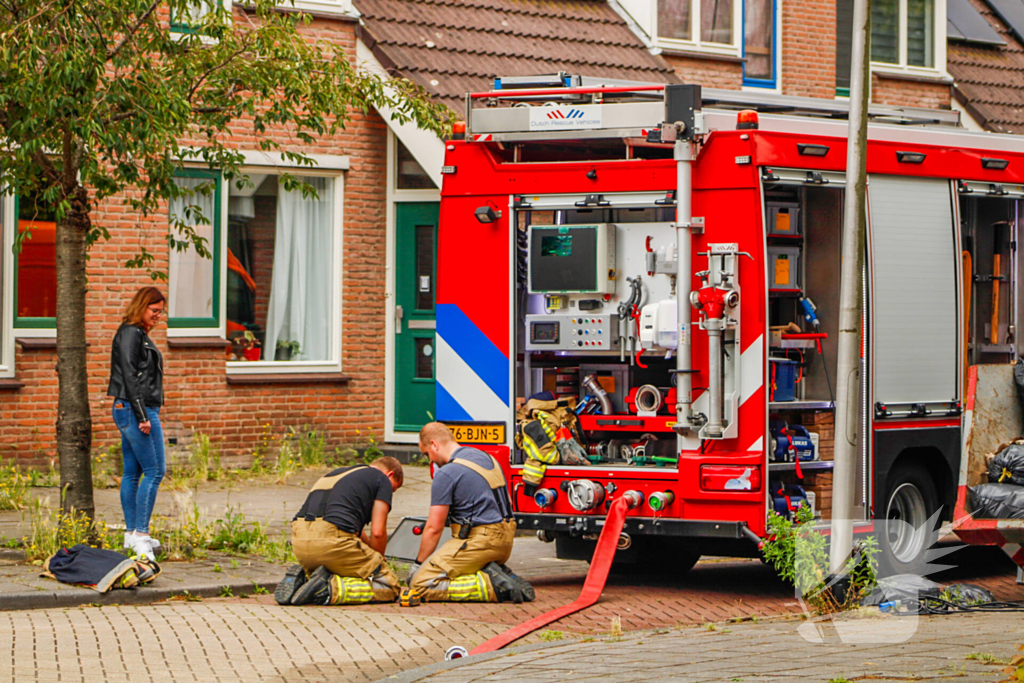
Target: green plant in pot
<point>251,349</point>
<point>286,350</point>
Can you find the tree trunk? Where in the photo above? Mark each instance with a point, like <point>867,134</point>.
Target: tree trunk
<point>74,423</point>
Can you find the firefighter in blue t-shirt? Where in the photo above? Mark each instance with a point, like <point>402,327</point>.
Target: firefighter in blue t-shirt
<point>469,489</point>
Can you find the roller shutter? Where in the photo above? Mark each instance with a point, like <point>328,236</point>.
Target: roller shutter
<point>915,302</point>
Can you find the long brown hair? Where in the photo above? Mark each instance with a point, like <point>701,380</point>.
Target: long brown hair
<point>145,297</point>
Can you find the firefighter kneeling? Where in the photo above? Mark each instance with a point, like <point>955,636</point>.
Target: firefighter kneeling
<point>344,565</point>
<point>470,489</point>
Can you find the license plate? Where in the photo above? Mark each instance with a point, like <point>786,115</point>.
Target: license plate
<point>478,432</point>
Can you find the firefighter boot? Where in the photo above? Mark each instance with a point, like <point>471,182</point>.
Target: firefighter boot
<point>292,581</point>
<point>505,588</point>
<point>316,591</point>
<point>529,595</point>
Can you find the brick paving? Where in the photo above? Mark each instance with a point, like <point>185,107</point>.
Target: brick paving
<point>218,641</point>
<point>904,649</point>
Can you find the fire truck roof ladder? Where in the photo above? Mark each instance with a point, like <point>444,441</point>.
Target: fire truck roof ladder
<point>520,108</point>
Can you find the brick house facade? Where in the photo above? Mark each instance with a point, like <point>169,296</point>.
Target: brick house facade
<point>232,405</point>
<point>384,171</point>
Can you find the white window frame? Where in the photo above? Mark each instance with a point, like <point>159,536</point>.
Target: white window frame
<point>734,49</point>
<point>7,221</point>
<point>271,367</point>
<point>939,34</point>
<point>394,196</point>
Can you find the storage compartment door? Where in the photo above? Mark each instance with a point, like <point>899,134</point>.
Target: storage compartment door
<point>916,314</point>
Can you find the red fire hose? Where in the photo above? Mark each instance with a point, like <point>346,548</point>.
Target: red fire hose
<point>600,564</point>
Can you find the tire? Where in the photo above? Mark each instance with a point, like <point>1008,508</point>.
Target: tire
<point>912,500</point>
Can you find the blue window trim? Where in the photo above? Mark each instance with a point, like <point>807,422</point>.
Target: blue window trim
<point>762,82</point>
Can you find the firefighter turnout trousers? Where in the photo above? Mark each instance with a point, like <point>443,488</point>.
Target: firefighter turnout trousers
<point>453,573</point>
<point>361,573</point>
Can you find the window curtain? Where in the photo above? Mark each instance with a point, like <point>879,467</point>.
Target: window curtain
<point>190,276</point>
<point>301,287</point>
<point>674,19</point>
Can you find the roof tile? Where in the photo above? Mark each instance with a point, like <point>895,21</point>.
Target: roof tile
<point>451,47</point>
<point>990,79</point>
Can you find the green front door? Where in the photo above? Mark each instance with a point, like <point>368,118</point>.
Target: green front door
<point>415,275</point>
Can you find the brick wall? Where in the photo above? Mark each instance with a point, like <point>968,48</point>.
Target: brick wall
<point>809,48</point>
<point>197,393</point>
<point>708,72</point>
<point>886,89</point>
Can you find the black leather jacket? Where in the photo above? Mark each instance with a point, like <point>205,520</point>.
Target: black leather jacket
<point>136,370</point>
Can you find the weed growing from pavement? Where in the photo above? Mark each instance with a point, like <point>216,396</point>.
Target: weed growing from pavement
<point>185,597</point>
<point>258,589</point>
<point>51,530</point>
<point>216,568</point>
<point>799,553</point>
<point>839,679</point>
<point>551,635</point>
<point>226,592</point>
<point>234,563</point>
<point>986,658</point>
<point>14,487</point>
<point>616,629</point>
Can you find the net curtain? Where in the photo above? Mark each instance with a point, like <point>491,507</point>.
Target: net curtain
<point>301,290</point>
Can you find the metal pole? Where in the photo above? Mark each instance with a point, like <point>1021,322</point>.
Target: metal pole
<point>683,154</point>
<point>847,406</point>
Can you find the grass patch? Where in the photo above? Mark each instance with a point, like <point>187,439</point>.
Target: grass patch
<point>550,636</point>
<point>986,658</point>
<point>14,486</point>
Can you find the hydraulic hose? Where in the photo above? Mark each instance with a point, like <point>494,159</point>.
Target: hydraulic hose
<point>600,565</point>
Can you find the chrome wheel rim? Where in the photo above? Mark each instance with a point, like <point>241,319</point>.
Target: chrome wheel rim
<point>907,539</point>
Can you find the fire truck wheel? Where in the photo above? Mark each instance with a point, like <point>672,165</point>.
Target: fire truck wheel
<point>908,531</point>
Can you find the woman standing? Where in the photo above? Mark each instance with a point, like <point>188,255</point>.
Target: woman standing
<point>137,385</point>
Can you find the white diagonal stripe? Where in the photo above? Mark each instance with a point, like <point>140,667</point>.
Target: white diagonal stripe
<point>752,369</point>
<point>466,387</point>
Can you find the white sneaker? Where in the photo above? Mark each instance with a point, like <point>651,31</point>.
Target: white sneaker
<point>142,547</point>
<point>129,538</point>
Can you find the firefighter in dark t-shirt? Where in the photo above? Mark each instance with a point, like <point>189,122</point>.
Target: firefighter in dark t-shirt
<point>343,563</point>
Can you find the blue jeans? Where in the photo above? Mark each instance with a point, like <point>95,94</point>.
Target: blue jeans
<point>143,455</point>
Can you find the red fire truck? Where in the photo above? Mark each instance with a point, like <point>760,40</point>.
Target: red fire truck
<point>672,262</point>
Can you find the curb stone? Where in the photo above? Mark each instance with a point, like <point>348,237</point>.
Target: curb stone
<point>38,599</point>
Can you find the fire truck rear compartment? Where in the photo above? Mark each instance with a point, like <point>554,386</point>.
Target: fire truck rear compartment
<point>802,230</point>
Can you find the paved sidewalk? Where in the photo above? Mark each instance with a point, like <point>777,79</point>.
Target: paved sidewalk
<point>878,649</point>
<point>219,641</point>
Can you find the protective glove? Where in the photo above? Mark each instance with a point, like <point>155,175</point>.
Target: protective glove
<point>569,450</point>
<point>412,572</point>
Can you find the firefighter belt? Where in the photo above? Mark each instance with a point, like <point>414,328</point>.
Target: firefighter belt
<point>319,543</point>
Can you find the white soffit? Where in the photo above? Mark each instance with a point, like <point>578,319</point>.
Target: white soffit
<point>424,146</point>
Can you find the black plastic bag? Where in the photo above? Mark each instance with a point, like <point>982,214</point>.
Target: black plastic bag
<point>997,501</point>
<point>1007,467</point>
<point>902,587</point>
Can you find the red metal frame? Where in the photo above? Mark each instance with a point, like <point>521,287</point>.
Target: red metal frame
<point>474,259</point>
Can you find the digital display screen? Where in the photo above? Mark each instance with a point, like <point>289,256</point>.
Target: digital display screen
<point>544,333</point>
<point>556,245</point>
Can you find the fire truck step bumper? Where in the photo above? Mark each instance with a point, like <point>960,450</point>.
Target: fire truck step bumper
<point>639,526</point>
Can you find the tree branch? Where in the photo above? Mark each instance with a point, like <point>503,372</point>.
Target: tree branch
<point>126,38</point>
